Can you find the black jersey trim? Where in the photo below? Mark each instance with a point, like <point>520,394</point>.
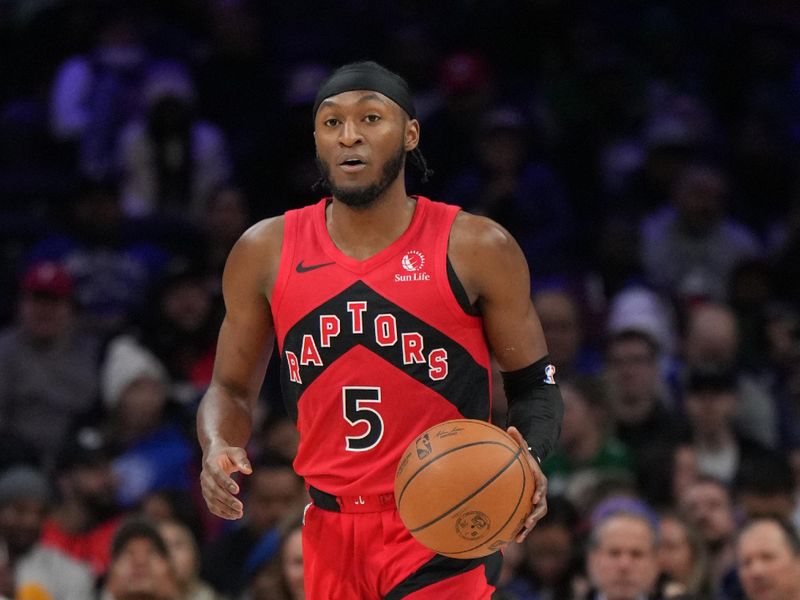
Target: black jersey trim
<point>459,292</point>
<point>440,568</point>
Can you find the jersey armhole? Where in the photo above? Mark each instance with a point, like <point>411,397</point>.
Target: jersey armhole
<point>459,292</point>
<point>284,270</point>
<point>450,287</point>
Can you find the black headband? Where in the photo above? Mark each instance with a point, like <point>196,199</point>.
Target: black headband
<point>367,76</point>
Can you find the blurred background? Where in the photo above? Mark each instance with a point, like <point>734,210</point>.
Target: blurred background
<point>643,153</point>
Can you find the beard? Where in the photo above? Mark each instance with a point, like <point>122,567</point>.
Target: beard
<point>365,196</point>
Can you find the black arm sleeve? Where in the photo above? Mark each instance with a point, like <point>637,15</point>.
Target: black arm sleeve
<point>535,406</point>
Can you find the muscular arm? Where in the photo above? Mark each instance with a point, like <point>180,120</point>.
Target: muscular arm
<point>494,272</point>
<point>224,417</point>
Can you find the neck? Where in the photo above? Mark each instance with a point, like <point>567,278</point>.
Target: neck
<point>362,232</point>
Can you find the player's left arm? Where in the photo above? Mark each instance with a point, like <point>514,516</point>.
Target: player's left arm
<point>494,272</point>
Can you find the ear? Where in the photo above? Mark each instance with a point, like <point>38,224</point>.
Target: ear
<point>411,134</point>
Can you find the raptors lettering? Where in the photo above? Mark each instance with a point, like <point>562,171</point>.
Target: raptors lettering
<point>411,344</point>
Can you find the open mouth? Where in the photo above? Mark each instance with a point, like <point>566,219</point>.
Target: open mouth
<point>352,164</point>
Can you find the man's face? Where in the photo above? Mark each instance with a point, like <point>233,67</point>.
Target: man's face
<point>21,523</point>
<point>45,317</point>
<point>362,138</point>
<point>633,374</point>
<point>141,572</point>
<point>561,324</point>
<point>710,412</point>
<point>273,492</point>
<point>623,565</point>
<point>768,568</point>
<point>708,507</point>
<point>95,486</point>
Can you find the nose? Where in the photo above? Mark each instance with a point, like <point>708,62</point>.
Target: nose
<point>350,134</point>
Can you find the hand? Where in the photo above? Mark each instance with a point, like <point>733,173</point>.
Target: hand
<point>539,507</point>
<point>219,489</point>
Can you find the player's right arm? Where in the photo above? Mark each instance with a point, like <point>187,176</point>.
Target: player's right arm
<point>225,414</point>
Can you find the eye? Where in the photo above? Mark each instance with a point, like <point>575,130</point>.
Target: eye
<point>332,122</point>
<point>372,118</point>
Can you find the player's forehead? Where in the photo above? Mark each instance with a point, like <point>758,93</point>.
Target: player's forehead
<point>355,98</point>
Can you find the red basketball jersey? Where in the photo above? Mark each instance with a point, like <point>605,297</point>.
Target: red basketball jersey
<point>374,351</point>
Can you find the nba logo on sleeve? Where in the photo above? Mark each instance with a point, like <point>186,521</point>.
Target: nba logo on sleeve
<point>550,374</point>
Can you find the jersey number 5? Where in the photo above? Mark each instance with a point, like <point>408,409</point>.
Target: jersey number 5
<point>355,413</point>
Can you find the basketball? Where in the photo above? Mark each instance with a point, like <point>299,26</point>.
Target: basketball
<point>463,488</point>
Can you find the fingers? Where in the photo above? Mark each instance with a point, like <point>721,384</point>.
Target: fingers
<point>539,511</point>
<point>220,502</point>
<point>218,486</point>
<point>514,433</point>
<point>238,459</point>
<point>539,502</point>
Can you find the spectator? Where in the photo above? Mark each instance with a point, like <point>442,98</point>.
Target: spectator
<point>153,450</point>
<point>85,515</point>
<point>185,556</point>
<point>638,308</point>
<point>111,262</point>
<point>225,216</point>
<point>521,193</point>
<point>638,393</point>
<point>24,498</point>
<point>712,337</point>
<point>765,488</point>
<point>291,556</point>
<point>563,327</point>
<point>273,491</point>
<point>708,506</point>
<point>551,552</point>
<point>47,365</point>
<point>140,565</point>
<point>586,448</point>
<point>768,557</point>
<point>467,89</point>
<point>622,558</point>
<point>690,247</point>
<point>281,577</point>
<point>711,403</point>
<point>96,93</point>
<point>170,160</point>
<point>682,557</point>
<point>180,328</point>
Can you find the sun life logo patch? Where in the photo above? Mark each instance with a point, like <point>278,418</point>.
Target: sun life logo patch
<point>413,261</point>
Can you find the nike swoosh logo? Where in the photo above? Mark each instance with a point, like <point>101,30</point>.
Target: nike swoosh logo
<point>301,268</point>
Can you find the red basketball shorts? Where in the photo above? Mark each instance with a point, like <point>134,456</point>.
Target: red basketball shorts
<point>372,556</point>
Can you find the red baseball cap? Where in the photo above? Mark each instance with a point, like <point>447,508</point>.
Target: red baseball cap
<point>48,278</point>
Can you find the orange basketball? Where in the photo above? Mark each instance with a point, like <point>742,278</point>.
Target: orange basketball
<point>464,488</point>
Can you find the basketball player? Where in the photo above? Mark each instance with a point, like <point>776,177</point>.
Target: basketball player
<point>385,308</point>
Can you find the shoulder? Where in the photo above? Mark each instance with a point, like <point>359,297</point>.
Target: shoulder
<point>479,233</point>
<point>478,240</point>
<point>264,236</point>
<point>484,254</point>
<point>256,254</point>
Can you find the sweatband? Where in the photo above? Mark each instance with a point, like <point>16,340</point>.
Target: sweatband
<point>535,406</point>
<point>367,75</point>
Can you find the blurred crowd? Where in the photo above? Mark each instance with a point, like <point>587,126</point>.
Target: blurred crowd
<point>643,153</point>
